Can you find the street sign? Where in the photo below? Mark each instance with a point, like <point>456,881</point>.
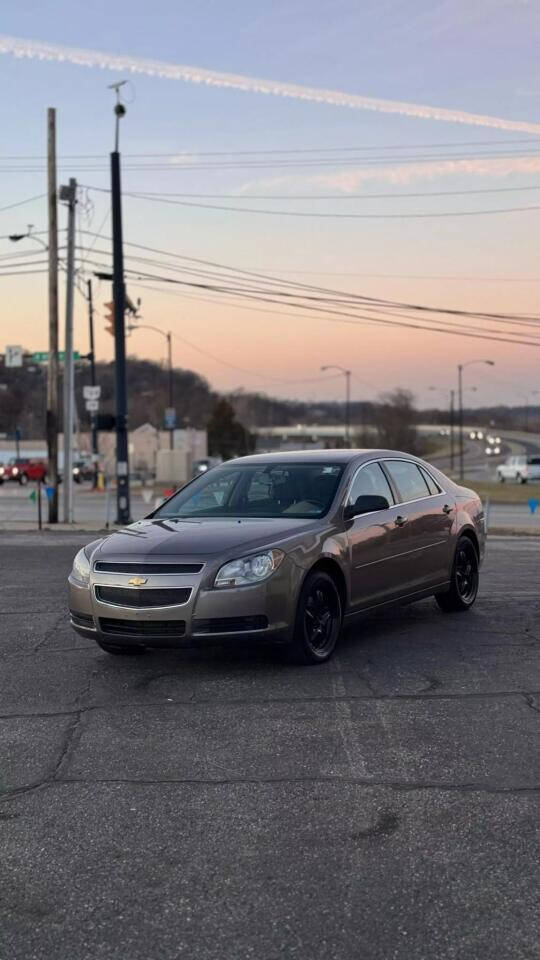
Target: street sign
<point>13,356</point>
<point>92,406</point>
<point>42,356</point>
<point>170,418</point>
<point>91,393</point>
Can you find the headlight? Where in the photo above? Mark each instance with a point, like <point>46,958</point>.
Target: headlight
<point>247,570</point>
<point>75,471</point>
<point>15,471</point>
<point>81,567</point>
<point>2,471</point>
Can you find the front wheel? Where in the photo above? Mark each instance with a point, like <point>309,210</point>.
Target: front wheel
<point>465,579</point>
<point>501,478</point>
<point>318,619</point>
<point>23,479</point>
<point>120,650</point>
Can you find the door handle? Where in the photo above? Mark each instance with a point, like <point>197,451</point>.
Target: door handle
<point>401,521</point>
<point>447,508</point>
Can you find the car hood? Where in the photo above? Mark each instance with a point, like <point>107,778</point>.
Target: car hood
<point>167,537</point>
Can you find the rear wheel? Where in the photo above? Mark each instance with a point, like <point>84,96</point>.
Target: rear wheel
<point>318,619</point>
<point>501,478</point>
<point>465,578</point>
<point>120,650</point>
<point>521,479</point>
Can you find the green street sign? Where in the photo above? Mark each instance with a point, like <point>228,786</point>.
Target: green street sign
<point>42,356</point>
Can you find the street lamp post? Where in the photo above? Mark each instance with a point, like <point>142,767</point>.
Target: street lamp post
<point>168,337</point>
<point>347,375</point>
<point>527,398</point>
<point>461,367</point>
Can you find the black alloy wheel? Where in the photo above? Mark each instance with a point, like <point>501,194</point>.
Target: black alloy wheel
<point>318,619</point>
<point>465,579</point>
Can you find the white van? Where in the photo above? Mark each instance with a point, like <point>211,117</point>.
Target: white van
<point>521,468</point>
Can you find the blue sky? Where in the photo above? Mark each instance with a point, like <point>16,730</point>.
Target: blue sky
<point>479,57</point>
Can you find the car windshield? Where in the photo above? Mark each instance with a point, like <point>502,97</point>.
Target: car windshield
<point>301,490</point>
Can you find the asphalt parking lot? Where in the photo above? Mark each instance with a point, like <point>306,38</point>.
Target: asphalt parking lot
<point>223,804</point>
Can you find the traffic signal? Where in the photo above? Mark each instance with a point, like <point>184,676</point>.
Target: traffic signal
<point>109,317</point>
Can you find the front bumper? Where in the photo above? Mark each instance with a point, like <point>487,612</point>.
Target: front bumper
<point>264,611</point>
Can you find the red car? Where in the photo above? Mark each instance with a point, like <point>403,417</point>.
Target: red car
<point>23,470</point>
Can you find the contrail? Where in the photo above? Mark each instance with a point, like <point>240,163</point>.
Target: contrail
<point>35,49</point>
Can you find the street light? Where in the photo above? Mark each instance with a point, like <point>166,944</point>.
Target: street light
<point>15,237</point>
<point>527,397</point>
<point>168,337</point>
<point>461,367</point>
<point>347,375</point>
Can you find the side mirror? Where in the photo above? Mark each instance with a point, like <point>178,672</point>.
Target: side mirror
<point>367,503</point>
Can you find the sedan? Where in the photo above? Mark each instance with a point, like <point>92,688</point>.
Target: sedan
<point>288,547</point>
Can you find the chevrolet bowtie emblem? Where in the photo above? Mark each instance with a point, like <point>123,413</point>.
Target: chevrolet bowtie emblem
<point>137,581</point>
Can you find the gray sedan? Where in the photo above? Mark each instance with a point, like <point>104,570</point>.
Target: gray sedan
<point>287,547</point>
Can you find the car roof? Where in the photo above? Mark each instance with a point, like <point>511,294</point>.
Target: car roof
<point>318,456</point>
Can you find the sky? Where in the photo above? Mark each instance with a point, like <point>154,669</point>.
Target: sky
<point>480,58</point>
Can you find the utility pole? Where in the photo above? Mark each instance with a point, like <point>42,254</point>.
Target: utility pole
<point>348,407</point>
<point>452,443</point>
<point>123,510</point>
<point>171,405</point>
<point>460,402</point>
<point>69,195</point>
<point>52,369</point>
<point>92,380</point>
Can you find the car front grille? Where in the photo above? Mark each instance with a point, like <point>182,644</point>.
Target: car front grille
<point>229,624</point>
<point>149,629</point>
<point>132,597</point>
<point>104,566</point>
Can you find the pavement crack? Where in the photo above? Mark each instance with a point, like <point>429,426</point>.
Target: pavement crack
<point>50,632</point>
<point>70,738</point>
<point>404,785</point>
<point>530,701</point>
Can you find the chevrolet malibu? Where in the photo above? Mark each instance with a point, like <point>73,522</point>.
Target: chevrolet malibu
<point>288,547</point>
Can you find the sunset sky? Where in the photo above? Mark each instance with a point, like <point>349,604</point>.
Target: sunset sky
<point>479,57</point>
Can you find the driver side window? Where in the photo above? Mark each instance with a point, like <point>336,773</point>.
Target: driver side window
<point>370,480</point>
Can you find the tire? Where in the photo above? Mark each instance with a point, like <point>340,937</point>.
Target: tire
<point>501,478</point>
<point>121,650</point>
<point>319,619</point>
<point>465,579</point>
<point>522,479</point>
<point>23,479</point>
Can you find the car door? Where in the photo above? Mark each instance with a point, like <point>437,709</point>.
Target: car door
<point>426,513</point>
<point>375,541</point>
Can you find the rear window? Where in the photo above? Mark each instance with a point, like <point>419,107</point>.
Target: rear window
<point>408,478</point>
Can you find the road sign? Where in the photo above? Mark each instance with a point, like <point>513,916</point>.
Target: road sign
<point>91,393</point>
<point>13,356</point>
<point>170,418</point>
<point>92,406</point>
<point>42,356</point>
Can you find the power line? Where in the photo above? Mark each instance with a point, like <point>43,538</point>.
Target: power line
<point>21,203</point>
<point>312,290</point>
<point>321,197</point>
<point>333,216</point>
<point>229,153</point>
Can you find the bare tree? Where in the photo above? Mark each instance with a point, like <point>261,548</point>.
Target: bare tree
<point>395,421</point>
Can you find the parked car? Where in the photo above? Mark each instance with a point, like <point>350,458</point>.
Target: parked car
<point>521,468</point>
<point>22,470</point>
<point>287,547</point>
